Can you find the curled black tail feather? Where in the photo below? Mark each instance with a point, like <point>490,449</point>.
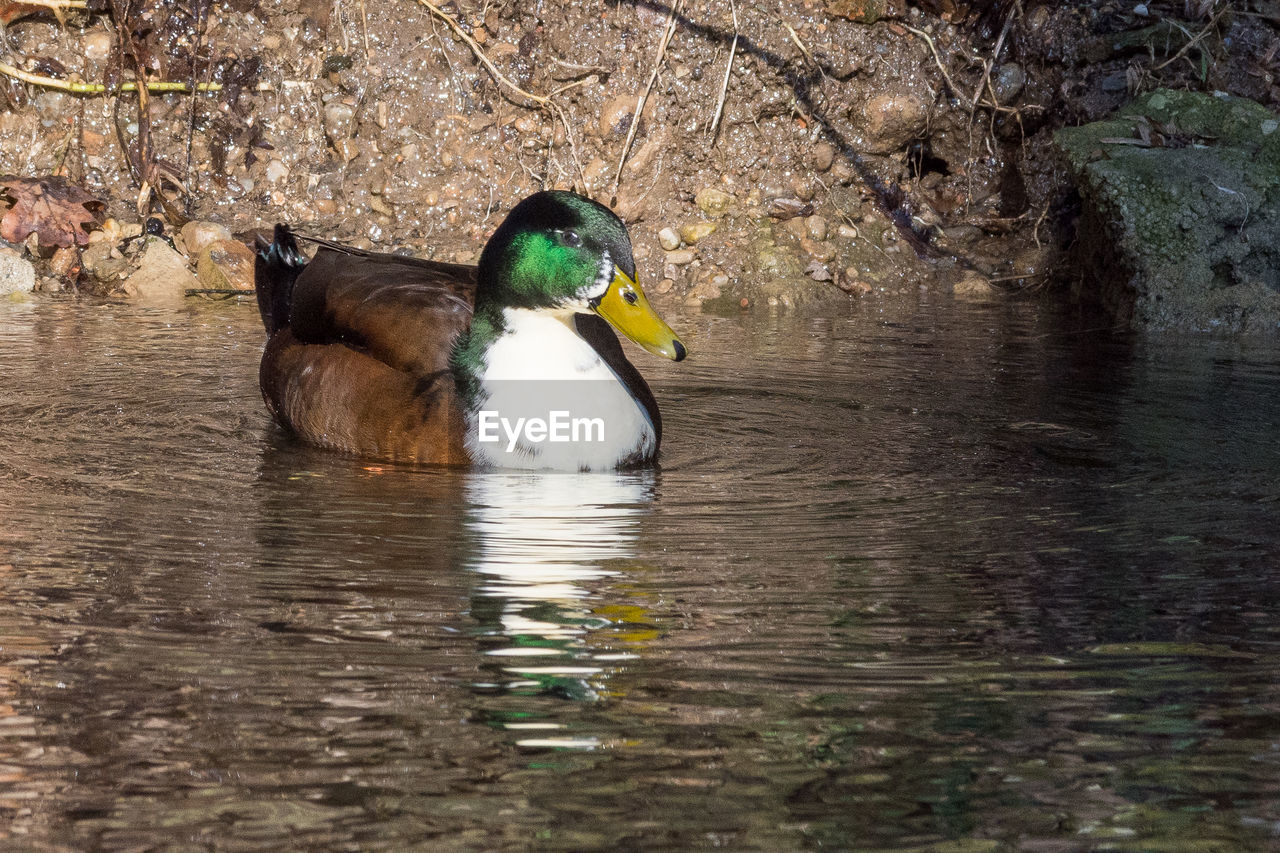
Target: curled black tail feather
<point>274,272</point>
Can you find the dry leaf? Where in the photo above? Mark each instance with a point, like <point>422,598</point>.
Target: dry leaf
<point>59,213</point>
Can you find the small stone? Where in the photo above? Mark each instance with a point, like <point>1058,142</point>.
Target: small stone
<point>824,155</point>
<point>744,302</point>
<point>197,235</point>
<point>796,228</point>
<point>713,202</point>
<point>1008,81</point>
<point>818,250</point>
<point>973,285</point>
<point>339,121</point>
<point>891,120</point>
<point>103,261</point>
<point>963,233</point>
<point>665,285</point>
<point>669,239</point>
<point>816,227</point>
<point>616,115</point>
<point>847,232</point>
<point>853,285</point>
<point>326,206</point>
<point>818,271</point>
<point>346,148</point>
<point>17,275</point>
<point>527,124</point>
<point>277,171</point>
<point>709,286</point>
<point>803,188</point>
<point>162,276</point>
<point>96,45</point>
<point>680,257</point>
<point>65,263</point>
<point>226,265</point>
<point>695,231</point>
<point>788,208</point>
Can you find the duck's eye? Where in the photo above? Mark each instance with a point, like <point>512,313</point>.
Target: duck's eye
<point>630,297</point>
<point>570,238</point>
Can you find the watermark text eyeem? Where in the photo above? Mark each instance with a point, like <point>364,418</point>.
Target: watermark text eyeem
<point>557,427</point>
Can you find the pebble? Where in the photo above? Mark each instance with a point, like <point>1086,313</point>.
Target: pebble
<point>668,239</point>
<point>847,232</point>
<point>796,228</point>
<point>277,171</point>
<point>65,263</point>
<point>1008,82</point>
<point>680,257</point>
<point>824,155</point>
<point>197,235</point>
<point>818,271</point>
<point>695,231</point>
<point>326,206</point>
<point>891,120</point>
<point>96,45</point>
<point>818,250</point>
<point>616,114</point>
<point>665,285</point>
<point>162,275</point>
<point>17,275</point>
<point>973,285</point>
<point>339,119</point>
<point>226,265</point>
<point>788,208</point>
<point>852,284</point>
<point>713,202</point>
<point>816,227</point>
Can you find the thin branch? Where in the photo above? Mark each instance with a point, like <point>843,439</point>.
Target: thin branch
<point>937,58</point>
<point>480,54</point>
<point>795,39</point>
<point>128,85</point>
<point>668,30</point>
<point>728,68</point>
<point>1195,41</point>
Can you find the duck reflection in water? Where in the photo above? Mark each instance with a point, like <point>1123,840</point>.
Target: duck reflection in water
<point>541,540</point>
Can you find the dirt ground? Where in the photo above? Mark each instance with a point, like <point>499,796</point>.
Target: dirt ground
<point>784,153</point>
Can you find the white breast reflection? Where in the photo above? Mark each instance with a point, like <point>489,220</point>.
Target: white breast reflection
<point>548,547</point>
<point>542,538</point>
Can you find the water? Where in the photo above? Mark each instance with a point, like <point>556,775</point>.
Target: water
<point>931,576</point>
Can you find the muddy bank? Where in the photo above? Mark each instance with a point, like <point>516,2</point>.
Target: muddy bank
<point>784,155</point>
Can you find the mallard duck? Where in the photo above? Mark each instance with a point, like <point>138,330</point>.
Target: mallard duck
<point>510,363</point>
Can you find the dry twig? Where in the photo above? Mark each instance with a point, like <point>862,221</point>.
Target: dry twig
<point>1213,22</point>
<point>480,54</point>
<point>668,30</point>
<point>728,69</point>
<point>99,89</point>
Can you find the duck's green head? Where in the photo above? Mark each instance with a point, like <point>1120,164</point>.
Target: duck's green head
<point>560,251</point>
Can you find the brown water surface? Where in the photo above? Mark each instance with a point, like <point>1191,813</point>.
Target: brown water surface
<point>910,575</point>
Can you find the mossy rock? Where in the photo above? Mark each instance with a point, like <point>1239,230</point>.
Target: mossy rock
<point>1181,212</point>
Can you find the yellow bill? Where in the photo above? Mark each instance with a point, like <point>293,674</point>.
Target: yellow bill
<point>625,307</point>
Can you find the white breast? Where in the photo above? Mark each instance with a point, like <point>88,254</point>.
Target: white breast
<point>548,400</point>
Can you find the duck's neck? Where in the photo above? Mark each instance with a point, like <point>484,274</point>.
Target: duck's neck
<point>470,353</point>
<point>519,365</point>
